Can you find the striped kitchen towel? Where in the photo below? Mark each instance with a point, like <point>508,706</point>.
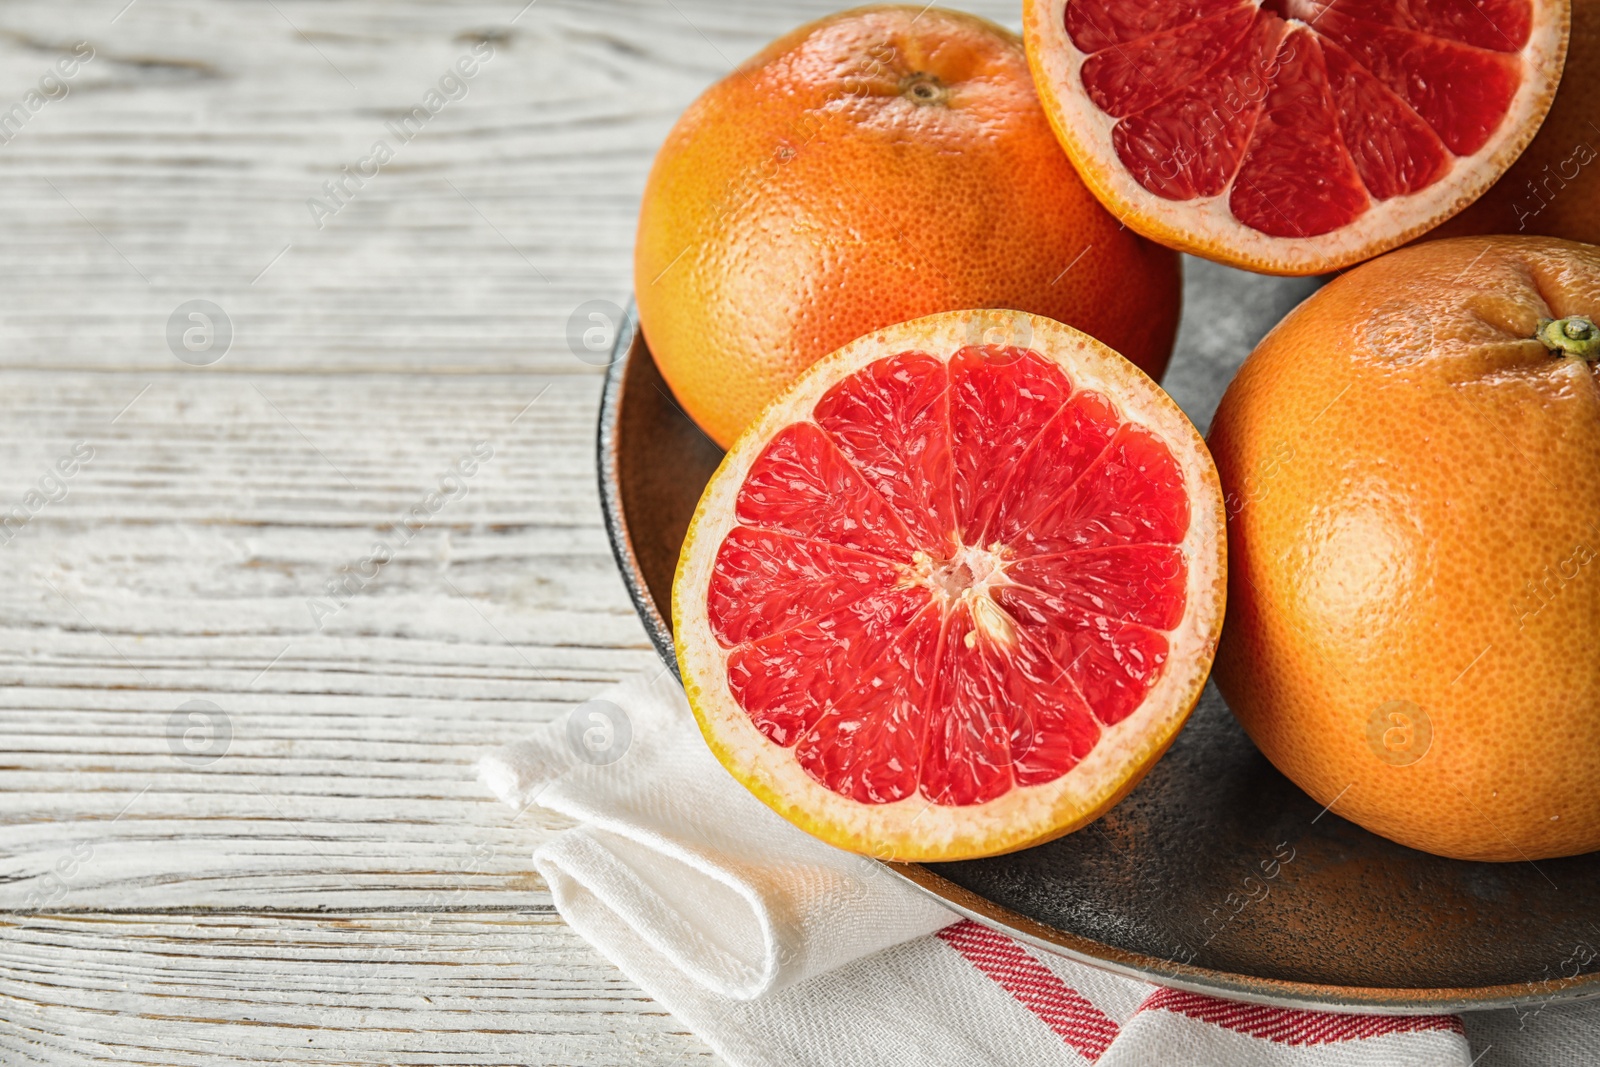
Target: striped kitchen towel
<point>781,951</point>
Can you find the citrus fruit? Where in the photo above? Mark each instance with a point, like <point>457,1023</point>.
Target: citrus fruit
<point>1293,136</point>
<point>1554,186</point>
<point>1413,492</point>
<point>947,599</point>
<point>869,168</point>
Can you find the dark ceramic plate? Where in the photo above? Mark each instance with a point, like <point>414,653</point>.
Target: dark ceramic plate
<point>1216,874</point>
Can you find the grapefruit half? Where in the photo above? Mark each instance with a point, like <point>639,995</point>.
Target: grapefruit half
<point>1293,136</point>
<point>954,592</point>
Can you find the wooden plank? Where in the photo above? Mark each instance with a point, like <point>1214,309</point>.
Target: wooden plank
<point>173,990</point>
<point>353,721</point>
<point>181,165</point>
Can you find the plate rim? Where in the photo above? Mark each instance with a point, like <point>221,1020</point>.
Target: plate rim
<point>628,338</point>
<point>1252,989</point>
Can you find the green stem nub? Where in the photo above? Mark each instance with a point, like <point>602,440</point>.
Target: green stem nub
<point>1574,335</point>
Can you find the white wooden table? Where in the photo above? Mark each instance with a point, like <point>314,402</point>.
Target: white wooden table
<point>309,873</point>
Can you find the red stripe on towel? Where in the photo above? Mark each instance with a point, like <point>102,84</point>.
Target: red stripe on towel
<point>1288,1026</point>
<point>1060,1007</point>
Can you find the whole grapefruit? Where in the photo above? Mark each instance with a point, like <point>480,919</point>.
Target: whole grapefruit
<point>872,167</point>
<point>1554,186</point>
<point>1411,463</point>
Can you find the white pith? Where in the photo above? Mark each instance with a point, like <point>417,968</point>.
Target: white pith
<point>968,577</point>
<point>1207,227</point>
<point>915,828</point>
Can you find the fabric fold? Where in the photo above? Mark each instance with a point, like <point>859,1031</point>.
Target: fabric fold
<point>700,871</point>
<point>781,951</point>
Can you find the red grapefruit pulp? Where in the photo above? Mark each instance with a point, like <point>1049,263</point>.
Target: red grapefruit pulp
<point>1293,135</point>
<point>948,598</point>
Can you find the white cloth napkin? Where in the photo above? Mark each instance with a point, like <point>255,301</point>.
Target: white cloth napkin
<point>781,951</point>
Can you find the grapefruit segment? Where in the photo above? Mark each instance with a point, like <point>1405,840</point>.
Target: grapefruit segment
<point>1293,136</point>
<point>893,424</point>
<point>1146,71</point>
<point>1068,446</point>
<point>866,743</point>
<point>1133,493</point>
<point>1497,25</point>
<point>1460,91</point>
<point>1099,26</point>
<point>1394,151</point>
<point>764,580</point>
<point>1114,667</point>
<point>1277,190</point>
<point>1190,144</point>
<point>1128,583</point>
<point>787,680</point>
<point>947,600</point>
<point>968,729</point>
<point>803,485</point>
<point>1113,664</point>
<point>1004,715</point>
<point>1000,398</point>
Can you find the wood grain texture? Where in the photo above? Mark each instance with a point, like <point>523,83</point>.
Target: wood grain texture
<point>458,987</point>
<point>334,887</point>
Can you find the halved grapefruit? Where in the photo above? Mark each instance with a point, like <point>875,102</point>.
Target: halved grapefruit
<point>1293,136</point>
<point>956,590</point>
